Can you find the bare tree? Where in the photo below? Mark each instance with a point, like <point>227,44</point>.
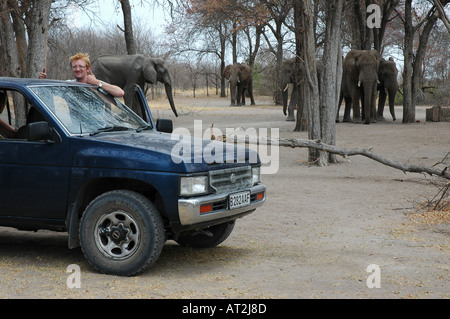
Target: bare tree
<point>32,16</point>
<point>279,12</point>
<point>128,27</point>
<point>306,54</point>
<point>331,76</point>
<point>413,60</point>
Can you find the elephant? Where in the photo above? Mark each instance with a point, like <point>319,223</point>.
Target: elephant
<point>287,76</point>
<point>128,70</point>
<point>359,81</point>
<point>387,75</point>
<point>241,80</point>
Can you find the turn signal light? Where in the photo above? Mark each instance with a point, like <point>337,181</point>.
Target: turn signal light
<point>205,209</point>
<point>259,196</point>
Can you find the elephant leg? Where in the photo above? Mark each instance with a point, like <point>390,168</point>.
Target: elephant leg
<point>355,104</point>
<point>233,95</point>
<point>292,104</point>
<point>341,97</point>
<point>373,104</point>
<point>129,98</point>
<point>392,103</point>
<point>238,95</point>
<point>381,102</point>
<point>250,94</point>
<point>348,107</point>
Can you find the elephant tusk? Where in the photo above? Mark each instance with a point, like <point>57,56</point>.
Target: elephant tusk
<point>285,89</point>
<point>359,84</point>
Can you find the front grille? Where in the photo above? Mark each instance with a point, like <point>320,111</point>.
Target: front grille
<point>231,179</point>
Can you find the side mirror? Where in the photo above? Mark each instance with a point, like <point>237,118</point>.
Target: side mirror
<point>164,125</point>
<point>42,131</point>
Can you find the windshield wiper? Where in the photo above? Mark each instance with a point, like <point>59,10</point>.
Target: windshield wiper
<point>142,128</point>
<point>110,129</point>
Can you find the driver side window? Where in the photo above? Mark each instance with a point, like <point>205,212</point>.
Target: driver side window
<point>12,122</point>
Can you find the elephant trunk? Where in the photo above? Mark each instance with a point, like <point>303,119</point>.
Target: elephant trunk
<point>285,94</point>
<point>168,88</point>
<point>370,90</point>
<point>233,92</point>
<point>392,103</point>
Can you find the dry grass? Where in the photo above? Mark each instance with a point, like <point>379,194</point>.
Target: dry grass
<point>435,211</point>
<point>433,217</point>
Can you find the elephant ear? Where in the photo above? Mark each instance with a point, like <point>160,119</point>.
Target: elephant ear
<point>149,72</point>
<point>226,72</point>
<point>375,54</point>
<point>245,71</point>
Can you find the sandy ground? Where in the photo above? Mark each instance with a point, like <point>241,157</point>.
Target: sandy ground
<point>315,237</point>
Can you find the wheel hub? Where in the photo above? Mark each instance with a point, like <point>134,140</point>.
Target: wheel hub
<point>118,235</point>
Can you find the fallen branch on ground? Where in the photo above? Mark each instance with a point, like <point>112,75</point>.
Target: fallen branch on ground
<point>294,142</point>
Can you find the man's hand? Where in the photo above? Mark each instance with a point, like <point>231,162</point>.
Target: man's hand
<point>91,79</point>
<point>43,75</point>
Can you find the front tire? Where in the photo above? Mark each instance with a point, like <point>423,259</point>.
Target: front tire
<point>121,233</point>
<point>207,238</point>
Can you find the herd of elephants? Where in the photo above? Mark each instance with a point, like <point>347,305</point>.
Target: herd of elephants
<point>364,74</point>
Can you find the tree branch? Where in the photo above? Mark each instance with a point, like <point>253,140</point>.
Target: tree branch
<point>442,15</point>
<point>404,167</point>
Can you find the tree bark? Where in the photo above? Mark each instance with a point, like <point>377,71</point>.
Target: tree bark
<point>37,37</point>
<point>409,115</point>
<point>128,27</point>
<point>8,47</point>
<point>330,80</point>
<point>308,90</point>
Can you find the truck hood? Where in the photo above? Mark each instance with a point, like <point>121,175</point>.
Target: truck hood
<point>151,150</point>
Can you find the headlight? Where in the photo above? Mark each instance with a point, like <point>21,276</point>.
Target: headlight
<point>193,185</point>
<point>256,176</point>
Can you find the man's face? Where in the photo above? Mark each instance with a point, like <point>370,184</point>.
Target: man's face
<point>79,69</point>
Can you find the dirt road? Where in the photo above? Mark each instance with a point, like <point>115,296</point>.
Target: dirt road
<point>319,231</point>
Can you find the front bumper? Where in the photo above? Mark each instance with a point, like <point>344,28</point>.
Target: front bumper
<point>189,209</point>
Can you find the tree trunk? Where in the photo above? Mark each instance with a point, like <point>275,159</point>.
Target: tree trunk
<point>330,80</point>
<point>37,37</point>
<point>8,47</point>
<point>234,41</point>
<point>306,53</point>
<point>412,63</point>
<point>409,115</point>
<point>387,8</point>
<point>222,52</point>
<point>128,27</point>
<point>19,34</point>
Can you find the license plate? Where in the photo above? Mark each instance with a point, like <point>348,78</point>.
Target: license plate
<point>239,200</point>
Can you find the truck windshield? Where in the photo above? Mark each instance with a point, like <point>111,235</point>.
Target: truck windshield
<point>86,110</point>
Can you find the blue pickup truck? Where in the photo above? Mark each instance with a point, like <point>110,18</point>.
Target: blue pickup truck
<point>83,163</point>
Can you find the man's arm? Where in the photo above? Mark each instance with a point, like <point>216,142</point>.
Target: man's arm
<point>110,88</point>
